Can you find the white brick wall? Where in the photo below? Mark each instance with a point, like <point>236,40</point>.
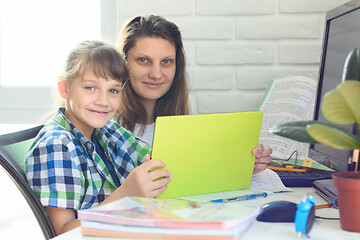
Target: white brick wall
<point>235,47</point>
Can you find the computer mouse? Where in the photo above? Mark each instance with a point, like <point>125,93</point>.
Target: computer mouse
<point>277,211</point>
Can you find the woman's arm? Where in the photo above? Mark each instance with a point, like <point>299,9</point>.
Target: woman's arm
<point>63,220</point>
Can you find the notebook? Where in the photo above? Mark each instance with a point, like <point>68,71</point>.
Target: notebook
<point>207,153</point>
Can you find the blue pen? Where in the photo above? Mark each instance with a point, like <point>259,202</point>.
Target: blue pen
<point>242,198</point>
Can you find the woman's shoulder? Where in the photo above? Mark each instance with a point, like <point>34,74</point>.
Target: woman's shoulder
<point>147,134</point>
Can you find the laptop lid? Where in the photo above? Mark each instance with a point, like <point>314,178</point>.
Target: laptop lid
<point>326,189</point>
<point>207,153</point>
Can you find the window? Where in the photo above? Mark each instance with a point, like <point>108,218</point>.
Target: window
<point>35,38</point>
<point>37,35</point>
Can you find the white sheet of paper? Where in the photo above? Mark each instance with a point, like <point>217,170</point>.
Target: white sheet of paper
<point>266,181</point>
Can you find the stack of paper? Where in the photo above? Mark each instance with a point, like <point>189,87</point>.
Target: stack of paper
<point>151,218</point>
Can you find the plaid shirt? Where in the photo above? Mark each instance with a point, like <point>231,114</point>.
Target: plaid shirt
<point>64,170</point>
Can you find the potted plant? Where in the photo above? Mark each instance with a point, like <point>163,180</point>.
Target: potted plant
<point>340,106</point>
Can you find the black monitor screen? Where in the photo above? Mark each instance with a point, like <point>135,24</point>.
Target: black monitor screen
<point>342,34</point>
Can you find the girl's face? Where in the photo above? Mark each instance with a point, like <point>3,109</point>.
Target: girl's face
<point>91,101</point>
<point>152,66</point>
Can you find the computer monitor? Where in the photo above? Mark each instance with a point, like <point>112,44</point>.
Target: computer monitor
<point>342,34</point>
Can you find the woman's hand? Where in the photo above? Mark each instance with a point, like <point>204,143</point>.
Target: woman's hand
<point>262,158</point>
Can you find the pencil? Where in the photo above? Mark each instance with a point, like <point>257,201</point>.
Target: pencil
<point>327,205</point>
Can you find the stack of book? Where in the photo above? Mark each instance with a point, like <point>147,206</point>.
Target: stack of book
<point>150,218</point>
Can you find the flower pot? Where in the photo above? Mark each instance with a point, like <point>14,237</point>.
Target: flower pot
<point>348,191</point>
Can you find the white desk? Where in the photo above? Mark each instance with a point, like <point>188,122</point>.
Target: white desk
<point>322,229</point>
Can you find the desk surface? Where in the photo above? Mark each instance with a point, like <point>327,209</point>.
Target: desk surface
<point>322,229</point>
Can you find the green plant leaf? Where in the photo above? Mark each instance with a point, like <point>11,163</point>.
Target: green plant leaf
<point>333,136</point>
<point>351,66</point>
<point>294,130</point>
<point>341,105</point>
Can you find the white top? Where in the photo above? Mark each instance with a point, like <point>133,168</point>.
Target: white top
<point>148,134</point>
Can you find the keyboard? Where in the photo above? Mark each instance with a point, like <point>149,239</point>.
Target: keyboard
<point>302,179</point>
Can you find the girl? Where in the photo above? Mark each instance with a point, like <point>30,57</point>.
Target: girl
<point>157,84</point>
<point>80,159</point>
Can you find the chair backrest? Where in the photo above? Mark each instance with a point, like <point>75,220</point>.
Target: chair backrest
<point>13,150</point>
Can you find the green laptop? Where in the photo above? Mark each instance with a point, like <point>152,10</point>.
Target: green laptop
<point>207,153</point>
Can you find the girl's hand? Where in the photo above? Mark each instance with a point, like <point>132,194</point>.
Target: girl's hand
<point>142,182</point>
<point>262,159</point>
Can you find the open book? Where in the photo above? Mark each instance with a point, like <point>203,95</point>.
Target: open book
<point>286,100</point>
<point>171,218</point>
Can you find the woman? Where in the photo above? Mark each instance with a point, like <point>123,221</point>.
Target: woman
<point>153,49</point>
<point>157,84</point>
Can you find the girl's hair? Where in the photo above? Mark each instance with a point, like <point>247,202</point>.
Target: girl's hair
<point>105,61</point>
<point>175,101</point>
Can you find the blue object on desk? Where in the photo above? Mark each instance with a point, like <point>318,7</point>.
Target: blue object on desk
<point>305,215</point>
<point>242,198</point>
<point>335,203</point>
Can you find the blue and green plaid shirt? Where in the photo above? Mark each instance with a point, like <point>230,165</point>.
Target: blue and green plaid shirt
<point>65,171</point>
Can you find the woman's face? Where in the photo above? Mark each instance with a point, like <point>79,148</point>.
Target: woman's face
<point>152,66</point>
